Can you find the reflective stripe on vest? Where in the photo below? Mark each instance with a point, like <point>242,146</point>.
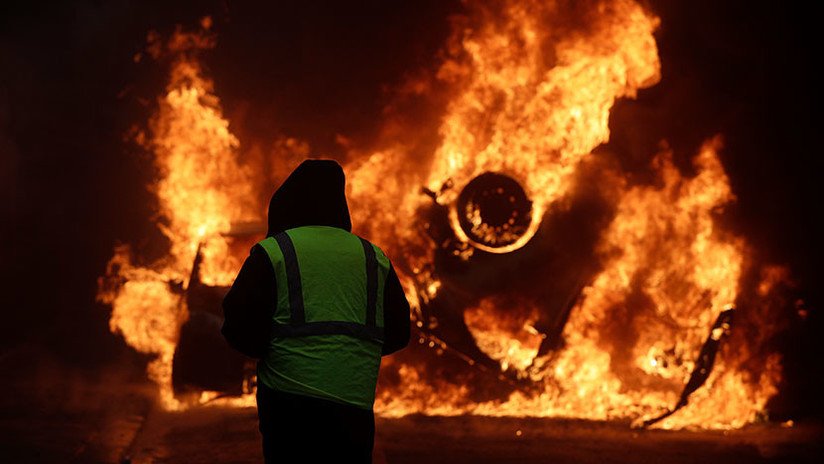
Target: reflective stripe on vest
<point>298,326</point>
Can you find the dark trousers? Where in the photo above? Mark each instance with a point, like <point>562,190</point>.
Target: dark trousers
<point>298,428</point>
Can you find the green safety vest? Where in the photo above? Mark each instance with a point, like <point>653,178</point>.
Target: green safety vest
<point>328,324</point>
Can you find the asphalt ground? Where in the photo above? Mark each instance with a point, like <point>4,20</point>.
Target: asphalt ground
<point>49,413</point>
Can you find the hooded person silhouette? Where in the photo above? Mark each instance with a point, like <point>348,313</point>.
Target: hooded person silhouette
<point>318,306</point>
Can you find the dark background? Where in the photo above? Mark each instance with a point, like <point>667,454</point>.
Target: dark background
<point>71,186</point>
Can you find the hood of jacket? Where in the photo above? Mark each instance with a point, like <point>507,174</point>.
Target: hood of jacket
<point>314,194</point>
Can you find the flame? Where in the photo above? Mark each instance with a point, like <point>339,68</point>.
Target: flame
<point>666,247</point>
<point>536,121</point>
<point>531,86</point>
<point>664,244</point>
<point>509,340</point>
<point>518,114</point>
<point>201,189</point>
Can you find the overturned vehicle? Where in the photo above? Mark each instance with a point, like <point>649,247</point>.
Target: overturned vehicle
<point>490,246</point>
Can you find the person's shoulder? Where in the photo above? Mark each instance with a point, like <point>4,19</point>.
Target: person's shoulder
<point>260,248</point>
<point>257,248</point>
<point>379,253</point>
<point>260,256</point>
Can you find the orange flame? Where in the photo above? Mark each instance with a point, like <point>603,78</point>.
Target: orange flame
<point>533,89</point>
<point>519,114</point>
<point>201,190</point>
<point>663,243</point>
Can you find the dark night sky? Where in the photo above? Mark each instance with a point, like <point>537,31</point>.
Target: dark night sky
<point>70,187</point>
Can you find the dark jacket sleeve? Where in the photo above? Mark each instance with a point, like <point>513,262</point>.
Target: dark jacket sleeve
<point>395,315</point>
<point>249,306</point>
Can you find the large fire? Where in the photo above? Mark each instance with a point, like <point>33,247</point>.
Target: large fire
<point>532,89</point>
<point>201,191</point>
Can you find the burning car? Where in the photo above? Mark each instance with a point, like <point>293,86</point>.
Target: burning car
<point>545,280</point>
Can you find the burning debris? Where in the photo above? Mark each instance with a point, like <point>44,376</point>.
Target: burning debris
<point>520,308</point>
<point>201,190</point>
<point>703,365</point>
